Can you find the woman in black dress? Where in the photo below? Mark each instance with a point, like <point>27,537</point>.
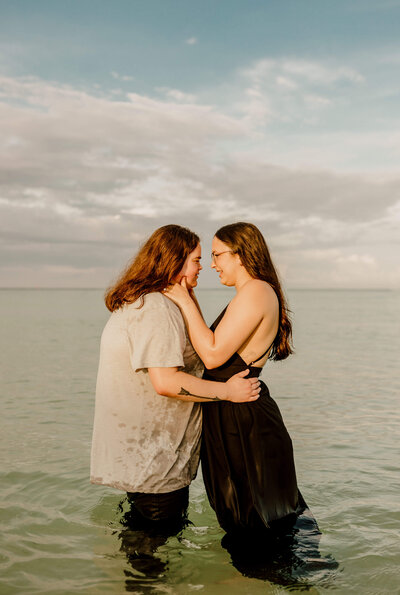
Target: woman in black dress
<point>247,456</point>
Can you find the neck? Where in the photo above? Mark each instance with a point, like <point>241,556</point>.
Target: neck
<point>242,279</point>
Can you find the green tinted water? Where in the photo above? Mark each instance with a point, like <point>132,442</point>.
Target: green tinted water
<point>339,396</point>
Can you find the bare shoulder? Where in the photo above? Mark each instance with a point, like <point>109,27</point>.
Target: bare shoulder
<point>258,288</point>
<point>259,292</point>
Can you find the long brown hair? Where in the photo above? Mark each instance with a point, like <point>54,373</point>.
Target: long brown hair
<point>246,240</point>
<point>157,263</point>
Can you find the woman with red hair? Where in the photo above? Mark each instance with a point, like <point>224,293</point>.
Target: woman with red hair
<point>147,425</point>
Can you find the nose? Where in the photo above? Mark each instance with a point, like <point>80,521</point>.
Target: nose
<point>213,264</point>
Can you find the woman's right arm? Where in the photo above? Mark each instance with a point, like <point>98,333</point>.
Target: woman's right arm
<point>171,382</point>
<point>195,300</point>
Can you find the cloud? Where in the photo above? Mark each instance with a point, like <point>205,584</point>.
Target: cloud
<point>358,259</point>
<point>191,41</point>
<point>177,95</point>
<point>122,77</point>
<point>292,90</point>
<point>85,177</point>
<point>318,73</point>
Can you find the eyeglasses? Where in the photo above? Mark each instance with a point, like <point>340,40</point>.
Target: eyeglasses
<point>214,255</point>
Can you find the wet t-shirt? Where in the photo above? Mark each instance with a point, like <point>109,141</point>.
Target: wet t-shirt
<point>143,441</point>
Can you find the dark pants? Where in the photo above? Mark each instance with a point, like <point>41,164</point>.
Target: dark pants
<point>151,520</point>
<point>170,506</point>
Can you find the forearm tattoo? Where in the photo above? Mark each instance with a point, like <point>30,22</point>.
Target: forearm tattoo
<point>186,393</point>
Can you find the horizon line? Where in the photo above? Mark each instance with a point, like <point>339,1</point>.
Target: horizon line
<point>11,288</point>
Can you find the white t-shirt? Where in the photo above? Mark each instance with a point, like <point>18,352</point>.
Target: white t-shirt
<point>143,441</point>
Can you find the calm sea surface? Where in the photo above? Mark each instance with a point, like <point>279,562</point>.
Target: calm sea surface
<point>339,396</point>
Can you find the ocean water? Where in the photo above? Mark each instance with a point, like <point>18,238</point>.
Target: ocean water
<point>339,396</point>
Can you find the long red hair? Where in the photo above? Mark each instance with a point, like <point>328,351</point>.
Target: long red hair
<point>156,265</point>
<point>246,240</point>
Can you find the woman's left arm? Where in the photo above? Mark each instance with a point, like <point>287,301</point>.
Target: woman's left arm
<point>243,315</point>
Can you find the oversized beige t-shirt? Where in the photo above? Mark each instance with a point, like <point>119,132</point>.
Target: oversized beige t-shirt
<point>143,441</point>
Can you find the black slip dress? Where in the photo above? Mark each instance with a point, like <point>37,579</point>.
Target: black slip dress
<point>247,457</point>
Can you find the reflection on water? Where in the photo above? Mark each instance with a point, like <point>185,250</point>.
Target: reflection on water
<point>287,554</point>
<point>140,539</point>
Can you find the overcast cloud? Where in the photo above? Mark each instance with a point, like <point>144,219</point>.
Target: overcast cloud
<point>88,172</point>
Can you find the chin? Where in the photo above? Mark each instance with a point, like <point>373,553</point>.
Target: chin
<point>220,280</point>
<point>226,283</point>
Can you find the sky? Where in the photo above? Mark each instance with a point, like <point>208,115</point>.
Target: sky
<point>119,117</point>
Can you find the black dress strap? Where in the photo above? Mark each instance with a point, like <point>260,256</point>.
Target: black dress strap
<point>261,356</point>
<point>218,320</point>
<point>216,323</point>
